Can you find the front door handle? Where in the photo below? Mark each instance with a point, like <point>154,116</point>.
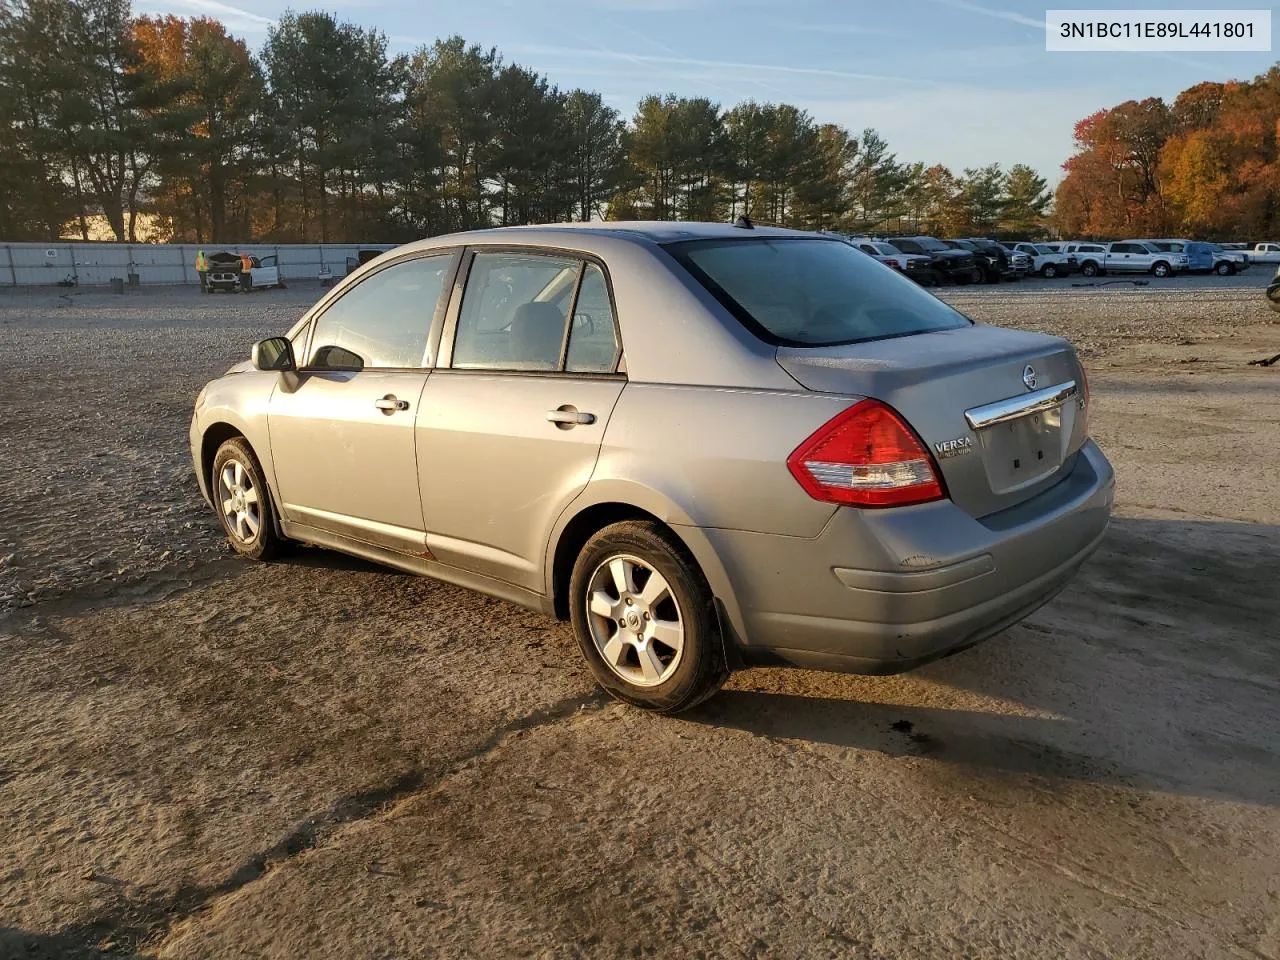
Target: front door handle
<point>389,404</point>
<point>568,416</point>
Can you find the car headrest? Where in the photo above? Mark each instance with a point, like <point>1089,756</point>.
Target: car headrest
<point>536,331</point>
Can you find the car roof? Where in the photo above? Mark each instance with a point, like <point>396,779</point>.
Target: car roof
<point>636,231</point>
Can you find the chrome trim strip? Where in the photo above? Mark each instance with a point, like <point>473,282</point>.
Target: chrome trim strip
<point>1015,407</point>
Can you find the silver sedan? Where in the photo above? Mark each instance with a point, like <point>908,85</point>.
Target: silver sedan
<point>705,445</point>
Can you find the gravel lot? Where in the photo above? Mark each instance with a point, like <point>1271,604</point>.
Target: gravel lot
<point>205,758</point>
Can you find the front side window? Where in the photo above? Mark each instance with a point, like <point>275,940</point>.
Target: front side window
<point>802,292</point>
<point>384,320</point>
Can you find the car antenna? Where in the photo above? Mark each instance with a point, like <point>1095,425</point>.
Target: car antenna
<point>744,222</point>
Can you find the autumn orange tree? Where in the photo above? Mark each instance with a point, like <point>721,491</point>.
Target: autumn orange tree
<point>1207,166</point>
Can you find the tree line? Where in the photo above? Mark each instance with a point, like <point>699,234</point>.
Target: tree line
<point>324,136</point>
<point>1206,166</point>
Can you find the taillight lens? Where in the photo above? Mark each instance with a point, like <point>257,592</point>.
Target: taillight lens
<point>866,456</point>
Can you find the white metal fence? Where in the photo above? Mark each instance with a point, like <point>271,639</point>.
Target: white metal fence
<point>36,264</point>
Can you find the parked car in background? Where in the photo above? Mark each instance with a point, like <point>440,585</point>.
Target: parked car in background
<point>1090,256</point>
<point>915,265</point>
<point>1266,252</point>
<point>1227,260</point>
<point>1126,256</point>
<point>992,259</point>
<point>1013,266</point>
<point>949,263</point>
<point>1139,256</point>
<point>526,412</point>
<point>225,271</point>
<point>1204,257</point>
<point>1045,261</point>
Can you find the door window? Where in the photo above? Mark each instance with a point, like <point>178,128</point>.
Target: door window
<point>593,340</point>
<point>384,320</point>
<point>514,312</point>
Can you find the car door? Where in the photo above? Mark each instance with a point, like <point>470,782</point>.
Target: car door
<point>266,273</point>
<point>512,418</point>
<point>342,428</point>
<point>1120,257</point>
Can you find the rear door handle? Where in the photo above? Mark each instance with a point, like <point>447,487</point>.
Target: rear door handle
<point>569,416</point>
<point>389,404</point>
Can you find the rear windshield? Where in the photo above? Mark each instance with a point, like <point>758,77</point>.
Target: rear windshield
<point>802,292</point>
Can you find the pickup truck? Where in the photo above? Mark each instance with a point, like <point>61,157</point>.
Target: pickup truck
<point>1045,260</point>
<point>1129,256</point>
<point>224,272</point>
<point>1266,252</point>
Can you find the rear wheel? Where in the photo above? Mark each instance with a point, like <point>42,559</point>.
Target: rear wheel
<point>243,502</point>
<point>1089,269</point>
<point>1160,269</point>
<point>645,619</point>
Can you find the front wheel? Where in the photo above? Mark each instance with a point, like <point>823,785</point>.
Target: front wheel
<point>1160,270</point>
<point>1224,269</point>
<point>645,618</point>
<point>243,502</point>
<point>1049,271</point>
<point>1090,269</point>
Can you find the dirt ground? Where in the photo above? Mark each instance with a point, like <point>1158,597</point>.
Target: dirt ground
<point>206,758</point>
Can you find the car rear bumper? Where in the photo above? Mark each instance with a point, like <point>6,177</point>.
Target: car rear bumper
<point>938,580</point>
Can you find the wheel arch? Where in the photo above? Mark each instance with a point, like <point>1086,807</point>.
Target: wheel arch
<point>217,432</point>
<point>613,502</point>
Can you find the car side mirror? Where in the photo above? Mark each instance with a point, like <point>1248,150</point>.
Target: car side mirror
<point>275,353</point>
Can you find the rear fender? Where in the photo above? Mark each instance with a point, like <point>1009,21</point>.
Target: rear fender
<point>675,515</point>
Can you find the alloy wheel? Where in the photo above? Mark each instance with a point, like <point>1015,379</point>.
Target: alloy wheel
<point>635,620</point>
<point>241,508</point>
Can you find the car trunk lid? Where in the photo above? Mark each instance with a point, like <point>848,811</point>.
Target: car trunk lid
<point>1001,411</point>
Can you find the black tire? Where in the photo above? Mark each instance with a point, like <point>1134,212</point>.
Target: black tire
<point>1160,269</point>
<point>1089,269</point>
<point>1049,271</point>
<point>1224,269</point>
<point>700,669</point>
<point>264,543</point>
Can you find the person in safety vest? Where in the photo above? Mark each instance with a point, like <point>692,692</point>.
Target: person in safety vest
<point>202,270</point>
<point>246,278</point>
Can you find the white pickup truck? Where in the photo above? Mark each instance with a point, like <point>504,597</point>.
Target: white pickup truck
<point>1266,252</point>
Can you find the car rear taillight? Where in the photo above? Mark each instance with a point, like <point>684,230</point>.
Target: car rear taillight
<point>893,263</point>
<point>866,456</point>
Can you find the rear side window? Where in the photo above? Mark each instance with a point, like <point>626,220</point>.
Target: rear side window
<point>593,342</point>
<point>384,320</point>
<point>515,311</point>
<point>806,292</point>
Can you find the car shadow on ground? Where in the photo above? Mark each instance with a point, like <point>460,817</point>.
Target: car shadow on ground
<point>66,945</point>
<point>1158,668</point>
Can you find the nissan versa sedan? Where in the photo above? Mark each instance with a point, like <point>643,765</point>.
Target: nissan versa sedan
<point>706,446</point>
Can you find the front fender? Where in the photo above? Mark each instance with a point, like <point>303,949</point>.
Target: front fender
<point>240,402</point>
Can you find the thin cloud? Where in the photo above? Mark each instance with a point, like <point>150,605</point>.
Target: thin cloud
<point>644,58</point>
<point>1009,15</point>
<point>223,11</point>
<point>848,29</point>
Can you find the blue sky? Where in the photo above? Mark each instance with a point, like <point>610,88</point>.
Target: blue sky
<point>960,82</point>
